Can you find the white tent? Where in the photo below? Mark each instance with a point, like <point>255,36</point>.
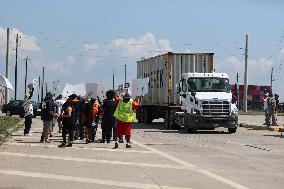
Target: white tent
<point>5,82</point>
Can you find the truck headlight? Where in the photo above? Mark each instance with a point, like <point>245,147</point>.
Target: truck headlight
<point>195,111</point>
<point>235,113</point>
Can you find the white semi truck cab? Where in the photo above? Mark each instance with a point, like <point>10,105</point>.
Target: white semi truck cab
<point>206,102</point>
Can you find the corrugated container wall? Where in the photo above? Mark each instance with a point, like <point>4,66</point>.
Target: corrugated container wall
<point>164,72</point>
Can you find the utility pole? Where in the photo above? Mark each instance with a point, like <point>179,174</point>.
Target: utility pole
<point>42,83</point>
<point>7,66</point>
<point>16,66</point>
<point>238,91</point>
<point>112,79</point>
<point>271,78</point>
<point>245,100</point>
<point>26,76</point>
<point>45,88</point>
<point>38,89</point>
<point>125,73</point>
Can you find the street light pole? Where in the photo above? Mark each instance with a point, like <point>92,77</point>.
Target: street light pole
<point>7,66</point>
<point>16,66</point>
<point>38,96</point>
<point>271,79</point>
<point>42,84</point>
<point>26,76</point>
<point>245,101</point>
<point>113,79</point>
<point>238,90</point>
<point>125,73</point>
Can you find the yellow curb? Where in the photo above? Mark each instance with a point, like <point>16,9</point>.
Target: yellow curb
<point>275,128</point>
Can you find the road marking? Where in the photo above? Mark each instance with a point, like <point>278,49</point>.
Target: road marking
<point>79,148</point>
<point>164,166</point>
<point>193,167</point>
<point>251,146</point>
<point>86,180</point>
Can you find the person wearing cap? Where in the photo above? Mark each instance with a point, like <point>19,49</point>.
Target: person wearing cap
<point>28,107</point>
<point>124,115</point>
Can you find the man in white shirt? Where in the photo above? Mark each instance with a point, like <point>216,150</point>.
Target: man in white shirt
<point>266,110</point>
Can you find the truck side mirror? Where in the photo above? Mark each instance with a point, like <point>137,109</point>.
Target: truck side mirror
<point>193,94</point>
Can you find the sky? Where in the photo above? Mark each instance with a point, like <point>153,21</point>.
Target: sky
<point>86,40</point>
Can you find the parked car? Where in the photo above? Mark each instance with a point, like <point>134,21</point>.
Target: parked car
<point>16,107</point>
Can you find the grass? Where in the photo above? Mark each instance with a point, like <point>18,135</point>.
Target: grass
<point>7,124</point>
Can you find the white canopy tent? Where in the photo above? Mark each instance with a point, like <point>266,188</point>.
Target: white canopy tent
<point>5,82</point>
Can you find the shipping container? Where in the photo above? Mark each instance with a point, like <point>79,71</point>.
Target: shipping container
<point>164,72</point>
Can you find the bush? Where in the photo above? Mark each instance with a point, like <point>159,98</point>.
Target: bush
<point>7,124</point>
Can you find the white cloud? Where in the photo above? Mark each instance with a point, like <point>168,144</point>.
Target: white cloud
<point>132,47</point>
<point>27,43</point>
<point>91,47</point>
<point>71,59</point>
<point>258,69</point>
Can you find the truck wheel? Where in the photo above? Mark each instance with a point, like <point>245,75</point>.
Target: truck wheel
<point>147,116</point>
<point>167,120</point>
<point>172,124</point>
<point>191,126</point>
<point>232,130</point>
<point>8,113</point>
<point>190,130</point>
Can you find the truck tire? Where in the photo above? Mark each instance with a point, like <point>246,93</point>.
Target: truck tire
<point>172,124</point>
<point>147,116</point>
<point>167,120</point>
<point>232,130</point>
<point>8,113</point>
<point>191,126</point>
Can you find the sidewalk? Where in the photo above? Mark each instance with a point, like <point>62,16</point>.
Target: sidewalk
<point>256,122</point>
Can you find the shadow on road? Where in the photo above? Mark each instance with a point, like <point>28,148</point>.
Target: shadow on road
<point>279,136</point>
<point>162,129</point>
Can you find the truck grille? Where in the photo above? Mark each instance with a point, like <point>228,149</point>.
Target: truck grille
<point>216,108</point>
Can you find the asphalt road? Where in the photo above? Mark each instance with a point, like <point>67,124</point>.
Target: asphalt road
<point>159,158</point>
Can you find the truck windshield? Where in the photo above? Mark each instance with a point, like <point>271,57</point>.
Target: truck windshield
<point>212,84</point>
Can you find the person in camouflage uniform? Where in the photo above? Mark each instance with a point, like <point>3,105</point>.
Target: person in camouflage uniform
<point>271,102</point>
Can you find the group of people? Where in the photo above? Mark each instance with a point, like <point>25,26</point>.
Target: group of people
<point>270,104</point>
<point>78,118</point>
